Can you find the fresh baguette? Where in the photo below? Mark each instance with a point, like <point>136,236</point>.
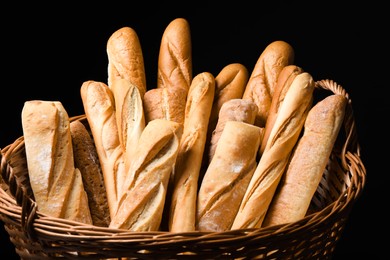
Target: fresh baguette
<point>182,214</point>
<point>175,56</point>
<point>227,176</point>
<point>229,84</point>
<point>262,81</point>
<point>309,159</point>
<point>141,206</point>
<point>125,58</point>
<point>165,103</point>
<point>282,139</point>
<point>237,109</point>
<point>174,74</point>
<point>87,161</point>
<point>284,81</point>
<point>129,115</point>
<point>99,107</point>
<point>56,184</point>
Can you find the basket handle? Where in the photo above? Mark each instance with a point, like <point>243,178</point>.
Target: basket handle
<point>14,175</point>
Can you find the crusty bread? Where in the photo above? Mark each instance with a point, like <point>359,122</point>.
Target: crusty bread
<point>229,84</point>
<point>141,205</point>
<point>87,161</point>
<point>237,109</point>
<point>285,78</point>
<point>309,159</point>
<point>187,168</point>
<point>174,74</point>
<point>175,56</point>
<point>227,176</point>
<point>129,115</point>
<point>165,103</point>
<point>56,183</point>
<point>282,139</point>
<point>125,58</point>
<point>262,81</point>
<point>99,107</point>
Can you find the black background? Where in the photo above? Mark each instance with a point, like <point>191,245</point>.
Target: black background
<point>48,51</point>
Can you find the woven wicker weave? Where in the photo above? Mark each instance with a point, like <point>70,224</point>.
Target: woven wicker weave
<point>38,236</point>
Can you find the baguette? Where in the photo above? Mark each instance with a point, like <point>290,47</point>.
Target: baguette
<point>175,56</point>
<point>227,176</point>
<point>125,58</point>
<point>262,81</point>
<point>99,107</point>
<point>273,161</point>
<point>229,84</point>
<point>165,103</point>
<point>56,184</point>
<point>286,77</point>
<point>236,109</point>
<point>87,161</point>
<point>141,206</point>
<point>182,214</point>
<point>309,159</point>
<point>174,74</point>
<point>129,116</point>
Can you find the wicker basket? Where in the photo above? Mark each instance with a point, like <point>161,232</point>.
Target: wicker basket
<point>38,236</point>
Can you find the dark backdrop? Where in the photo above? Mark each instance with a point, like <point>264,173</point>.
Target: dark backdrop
<point>48,51</point>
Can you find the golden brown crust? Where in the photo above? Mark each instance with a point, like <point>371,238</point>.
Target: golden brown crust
<point>227,176</point>
<point>229,84</point>
<point>285,79</point>
<point>175,56</point>
<point>303,175</point>
<point>273,161</point>
<point>174,74</point>
<point>236,109</point>
<point>99,107</point>
<point>129,115</point>
<point>165,103</point>
<point>56,183</point>
<point>262,81</point>
<point>87,161</point>
<point>141,205</point>
<point>186,173</point>
<point>125,58</point>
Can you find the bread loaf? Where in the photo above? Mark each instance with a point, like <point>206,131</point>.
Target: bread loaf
<point>87,161</point>
<point>56,184</point>
<point>125,58</point>
<point>175,56</point>
<point>141,205</point>
<point>284,81</point>
<point>187,168</point>
<point>129,115</point>
<point>262,81</point>
<point>174,74</point>
<point>227,176</point>
<point>282,139</point>
<point>237,109</point>
<point>309,159</point>
<point>99,107</point>
<point>229,84</point>
<point>165,103</point>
